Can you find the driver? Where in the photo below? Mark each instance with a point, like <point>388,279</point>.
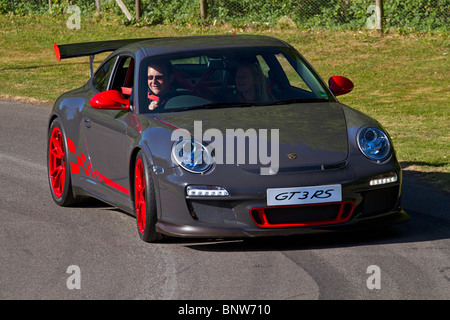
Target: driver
<point>159,82</point>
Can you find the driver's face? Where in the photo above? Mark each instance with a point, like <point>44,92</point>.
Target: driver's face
<point>158,80</point>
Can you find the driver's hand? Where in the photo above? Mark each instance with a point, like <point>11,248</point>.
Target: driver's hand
<point>153,105</point>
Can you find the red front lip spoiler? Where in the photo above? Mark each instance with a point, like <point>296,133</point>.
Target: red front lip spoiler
<point>261,219</point>
<point>200,231</point>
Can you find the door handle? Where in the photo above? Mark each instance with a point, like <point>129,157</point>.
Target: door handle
<point>87,122</point>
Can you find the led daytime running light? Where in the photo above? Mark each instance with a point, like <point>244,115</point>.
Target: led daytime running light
<point>206,191</point>
<point>384,180</point>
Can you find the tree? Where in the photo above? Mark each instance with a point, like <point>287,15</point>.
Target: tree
<point>138,9</point>
<point>203,9</point>
<point>380,15</point>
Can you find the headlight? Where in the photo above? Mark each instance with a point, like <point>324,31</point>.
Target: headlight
<point>192,156</point>
<point>374,144</point>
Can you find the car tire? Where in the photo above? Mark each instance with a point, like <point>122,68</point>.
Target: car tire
<point>145,201</point>
<point>58,168</point>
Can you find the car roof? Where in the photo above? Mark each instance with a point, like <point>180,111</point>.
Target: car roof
<point>165,45</point>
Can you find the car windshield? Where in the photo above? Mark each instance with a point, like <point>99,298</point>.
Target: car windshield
<point>228,78</point>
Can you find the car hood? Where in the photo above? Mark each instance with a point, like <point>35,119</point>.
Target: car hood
<point>300,134</point>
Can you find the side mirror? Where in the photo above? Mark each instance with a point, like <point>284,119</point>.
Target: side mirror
<point>110,100</point>
<point>340,85</point>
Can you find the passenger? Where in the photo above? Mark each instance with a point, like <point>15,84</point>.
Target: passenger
<point>159,82</point>
<point>250,84</point>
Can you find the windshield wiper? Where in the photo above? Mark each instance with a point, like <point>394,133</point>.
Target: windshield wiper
<point>215,105</point>
<point>294,100</point>
<point>219,105</point>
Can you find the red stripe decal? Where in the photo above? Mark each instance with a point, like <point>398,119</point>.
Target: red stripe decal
<point>71,146</point>
<point>166,123</point>
<point>80,161</point>
<point>112,183</point>
<point>75,168</point>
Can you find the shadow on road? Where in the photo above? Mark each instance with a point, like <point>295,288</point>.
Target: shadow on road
<point>418,229</point>
<point>435,176</point>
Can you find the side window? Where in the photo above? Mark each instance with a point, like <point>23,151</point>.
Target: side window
<point>103,74</point>
<point>123,76</point>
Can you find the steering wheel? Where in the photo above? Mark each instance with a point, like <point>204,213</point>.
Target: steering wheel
<point>175,99</point>
<point>165,97</point>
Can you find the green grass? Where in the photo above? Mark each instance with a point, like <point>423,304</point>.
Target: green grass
<point>401,80</point>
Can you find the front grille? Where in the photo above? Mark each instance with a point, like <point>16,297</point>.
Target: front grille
<point>212,211</point>
<point>302,215</point>
<point>380,200</point>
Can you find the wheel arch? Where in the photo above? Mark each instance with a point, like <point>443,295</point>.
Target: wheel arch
<point>50,121</point>
<point>132,167</point>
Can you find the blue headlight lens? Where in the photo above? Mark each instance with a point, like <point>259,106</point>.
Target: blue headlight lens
<point>192,156</point>
<point>374,144</point>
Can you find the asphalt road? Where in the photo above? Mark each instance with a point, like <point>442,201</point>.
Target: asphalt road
<point>39,241</point>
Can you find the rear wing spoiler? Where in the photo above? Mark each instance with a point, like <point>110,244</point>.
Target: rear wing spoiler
<point>90,49</point>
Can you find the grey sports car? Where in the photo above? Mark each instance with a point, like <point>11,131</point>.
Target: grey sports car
<point>219,136</point>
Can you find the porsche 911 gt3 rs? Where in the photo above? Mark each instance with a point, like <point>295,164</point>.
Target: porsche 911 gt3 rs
<point>219,136</point>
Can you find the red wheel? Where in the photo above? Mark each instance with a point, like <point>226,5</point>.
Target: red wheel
<point>145,201</point>
<point>140,198</point>
<point>58,170</point>
<point>56,162</point>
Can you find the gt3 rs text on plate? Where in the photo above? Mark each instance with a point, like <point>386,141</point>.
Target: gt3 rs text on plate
<point>304,195</point>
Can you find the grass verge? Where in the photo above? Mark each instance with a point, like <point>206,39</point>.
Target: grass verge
<point>401,80</point>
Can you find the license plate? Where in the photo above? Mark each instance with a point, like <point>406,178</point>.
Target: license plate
<point>304,195</point>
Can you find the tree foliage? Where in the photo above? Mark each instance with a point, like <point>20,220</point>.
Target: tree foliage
<point>422,15</point>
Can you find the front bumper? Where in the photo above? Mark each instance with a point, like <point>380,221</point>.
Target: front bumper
<point>363,205</point>
<point>209,231</point>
